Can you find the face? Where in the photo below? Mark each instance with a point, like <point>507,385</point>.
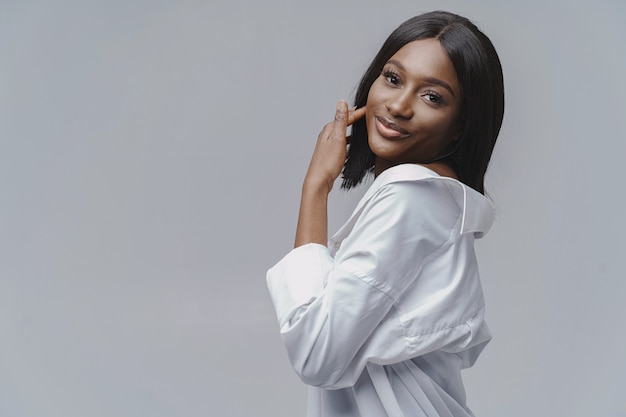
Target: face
<point>413,107</point>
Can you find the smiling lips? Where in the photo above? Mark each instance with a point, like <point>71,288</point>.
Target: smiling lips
<point>388,129</point>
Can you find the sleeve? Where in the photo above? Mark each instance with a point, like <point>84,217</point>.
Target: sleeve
<point>329,310</point>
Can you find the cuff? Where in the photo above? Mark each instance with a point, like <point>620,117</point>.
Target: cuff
<point>298,279</point>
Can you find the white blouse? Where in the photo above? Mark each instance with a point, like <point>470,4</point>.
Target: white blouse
<point>381,322</point>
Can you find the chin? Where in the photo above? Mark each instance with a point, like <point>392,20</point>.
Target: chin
<point>389,149</point>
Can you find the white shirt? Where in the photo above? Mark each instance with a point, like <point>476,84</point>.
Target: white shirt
<point>381,322</point>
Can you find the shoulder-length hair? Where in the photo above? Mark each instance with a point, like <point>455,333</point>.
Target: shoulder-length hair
<point>479,72</point>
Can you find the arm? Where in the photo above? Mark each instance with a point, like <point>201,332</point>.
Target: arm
<point>337,314</point>
<point>325,166</point>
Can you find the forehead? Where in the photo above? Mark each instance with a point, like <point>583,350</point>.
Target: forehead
<point>426,58</point>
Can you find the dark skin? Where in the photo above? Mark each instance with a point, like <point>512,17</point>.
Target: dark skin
<point>412,116</point>
<point>414,108</point>
<point>325,166</point>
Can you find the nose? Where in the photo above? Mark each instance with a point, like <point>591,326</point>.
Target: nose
<point>401,104</point>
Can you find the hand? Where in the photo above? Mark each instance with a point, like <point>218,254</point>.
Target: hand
<point>329,155</point>
<point>326,164</point>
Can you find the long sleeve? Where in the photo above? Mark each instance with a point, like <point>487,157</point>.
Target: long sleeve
<point>400,281</point>
<point>330,310</point>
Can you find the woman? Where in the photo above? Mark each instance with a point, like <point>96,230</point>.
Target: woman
<point>381,321</point>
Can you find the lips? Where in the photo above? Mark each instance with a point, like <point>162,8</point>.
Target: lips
<point>388,129</point>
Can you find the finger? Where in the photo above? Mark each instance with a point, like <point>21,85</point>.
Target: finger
<point>341,113</point>
<point>356,115</point>
<point>340,124</point>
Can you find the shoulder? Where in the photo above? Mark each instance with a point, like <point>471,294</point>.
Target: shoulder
<point>420,193</point>
<point>424,208</point>
<point>402,224</point>
<point>416,188</point>
<point>420,176</point>
<point>412,197</point>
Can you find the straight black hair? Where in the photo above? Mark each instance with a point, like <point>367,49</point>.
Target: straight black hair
<point>479,72</point>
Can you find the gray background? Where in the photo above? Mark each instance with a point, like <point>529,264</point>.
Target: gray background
<point>151,155</point>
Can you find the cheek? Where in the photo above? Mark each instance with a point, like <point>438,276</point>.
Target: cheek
<point>437,122</point>
<point>372,102</point>
<point>374,95</point>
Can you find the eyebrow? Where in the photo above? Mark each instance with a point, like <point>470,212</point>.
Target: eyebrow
<point>429,80</point>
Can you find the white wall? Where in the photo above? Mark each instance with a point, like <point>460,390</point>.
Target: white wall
<point>151,154</point>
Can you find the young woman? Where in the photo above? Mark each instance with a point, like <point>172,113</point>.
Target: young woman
<point>380,319</point>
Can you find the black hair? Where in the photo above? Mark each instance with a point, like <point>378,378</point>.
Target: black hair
<point>479,72</point>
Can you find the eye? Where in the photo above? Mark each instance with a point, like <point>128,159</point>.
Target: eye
<point>433,97</point>
<point>392,77</point>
